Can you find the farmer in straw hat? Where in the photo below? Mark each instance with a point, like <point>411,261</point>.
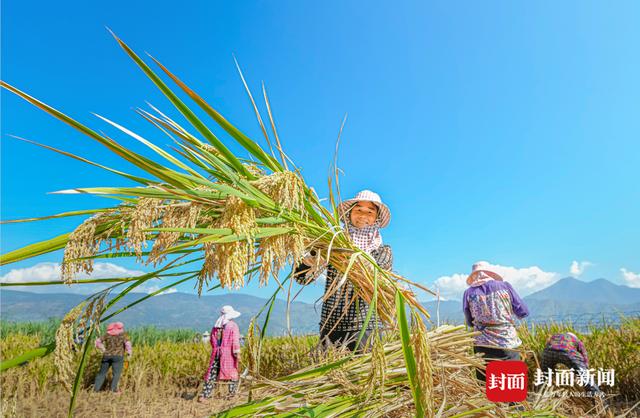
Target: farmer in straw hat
<point>225,351</point>
<point>491,306</point>
<point>113,345</point>
<point>343,312</point>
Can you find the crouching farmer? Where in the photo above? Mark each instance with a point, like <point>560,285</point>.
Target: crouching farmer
<point>567,349</point>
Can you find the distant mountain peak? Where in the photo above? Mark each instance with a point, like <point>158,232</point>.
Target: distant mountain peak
<point>596,291</point>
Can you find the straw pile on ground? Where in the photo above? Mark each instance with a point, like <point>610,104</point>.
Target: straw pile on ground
<point>376,384</point>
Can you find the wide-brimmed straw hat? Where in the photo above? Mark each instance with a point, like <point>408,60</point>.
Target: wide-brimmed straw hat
<point>384,215</point>
<point>115,328</point>
<point>229,312</point>
<point>482,267</point>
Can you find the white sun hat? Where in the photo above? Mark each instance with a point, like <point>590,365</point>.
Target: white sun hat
<point>384,215</point>
<point>482,267</point>
<point>229,312</point>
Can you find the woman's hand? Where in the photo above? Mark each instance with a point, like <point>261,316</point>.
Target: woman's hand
<point>309,260</point>
<point>313,259</point>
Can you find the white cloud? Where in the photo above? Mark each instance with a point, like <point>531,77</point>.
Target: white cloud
<point>525,280</point>
<point>451,287</point>
<point>631,279</point>
<point>578,267</point>
<point>155,288</point>
<point>51,271</point>
<point>38,273</point>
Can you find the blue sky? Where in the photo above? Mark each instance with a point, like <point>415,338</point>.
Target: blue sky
<point>496,131</point>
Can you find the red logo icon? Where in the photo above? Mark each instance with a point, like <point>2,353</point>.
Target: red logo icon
<point>506,381</point>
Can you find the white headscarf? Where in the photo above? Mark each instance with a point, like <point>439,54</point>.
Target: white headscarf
<point>227,314</point>
<point>367,238</point>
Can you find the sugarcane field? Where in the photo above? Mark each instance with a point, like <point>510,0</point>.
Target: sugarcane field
<point>334,209</point>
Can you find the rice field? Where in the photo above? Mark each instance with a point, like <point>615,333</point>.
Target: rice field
<point>164,373</point>
<point>166,365</point>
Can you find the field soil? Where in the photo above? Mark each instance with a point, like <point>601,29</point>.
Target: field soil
<point>147,403</point>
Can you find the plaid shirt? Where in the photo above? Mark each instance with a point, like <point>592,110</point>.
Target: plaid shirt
<point>114,345</point>
<point>344,310</point>
<point>570,345</point>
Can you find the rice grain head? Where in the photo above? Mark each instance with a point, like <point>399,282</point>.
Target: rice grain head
<point>277,251</point>
<point>341,376</point>
<point>377,374</point>
<point>210,149</point>
<point>230,261</point>
<point>286,189</point>
<point>176,215</point>
<point>85,319</point>
<point>254,169</point>
<point>82,243</point>
<point>63,355</point>
<point>142,216</point>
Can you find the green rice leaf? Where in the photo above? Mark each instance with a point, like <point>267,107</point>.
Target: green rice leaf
<point>186,112</point>
<point>59,215</point>
<point>35,250</point>
<point>409,357</point>
<point>26,357</point>
<point>242,139</point>
<point>371,310</point>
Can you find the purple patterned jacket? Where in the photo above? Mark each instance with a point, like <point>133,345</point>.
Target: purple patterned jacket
<point>492,308</point>
<point>570,345</point>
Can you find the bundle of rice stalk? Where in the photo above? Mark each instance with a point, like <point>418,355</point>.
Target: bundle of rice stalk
<point>365,386</point>
<point>204,205</point>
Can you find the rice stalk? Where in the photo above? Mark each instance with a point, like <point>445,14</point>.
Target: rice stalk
<point>63,355</point>
<point>377,375</point>
<point>252,344</point>
<point>422,351</point>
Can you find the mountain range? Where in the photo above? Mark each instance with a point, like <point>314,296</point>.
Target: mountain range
<point>568,298</point>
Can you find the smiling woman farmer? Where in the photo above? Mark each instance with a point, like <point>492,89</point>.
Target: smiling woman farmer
<point>344,313</point>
